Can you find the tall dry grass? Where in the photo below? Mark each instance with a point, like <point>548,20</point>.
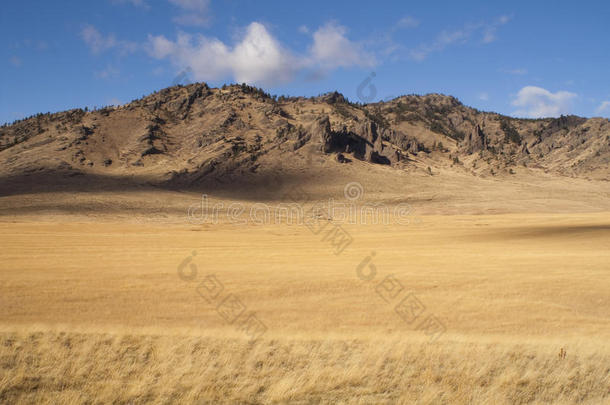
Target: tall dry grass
<point>51,367</point>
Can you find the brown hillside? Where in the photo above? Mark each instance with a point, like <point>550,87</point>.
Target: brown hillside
<point>190,135</point>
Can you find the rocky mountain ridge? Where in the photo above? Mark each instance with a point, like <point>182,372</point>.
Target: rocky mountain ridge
<point>186,135</point>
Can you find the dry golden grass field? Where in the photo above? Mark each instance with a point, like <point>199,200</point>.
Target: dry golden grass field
<point>447,309</point>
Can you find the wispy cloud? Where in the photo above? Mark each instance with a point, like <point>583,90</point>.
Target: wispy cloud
<point>99,43</point>
<point>109,72</point>
<point>486,31</point>
<point>194,12</point>
<point>536,102</point>
<point>15,61</point>
<point>516,72</point>
<point>258,57</point>
<point>604,108</point>
<point>407,22</point>
<point>39,45</point>
<point>490,29</point>
<point>136,3</point>
<point>483,96</point>
<point>443,40</point>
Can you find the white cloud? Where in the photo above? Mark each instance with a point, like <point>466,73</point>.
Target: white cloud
<point>163,47</point>
<point>332,49</point>
<point>536,102</point>
<point>486,31</point>
<point>604,107</point>
<point>99,43</point>
<point>258,57</point>
<point>303,29</point>
<point>95,40</point>
<point>407,22</point>
<point>195,12</point>
<point>483,96</point>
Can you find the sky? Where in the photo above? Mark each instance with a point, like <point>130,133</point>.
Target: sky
<point>520,58</point>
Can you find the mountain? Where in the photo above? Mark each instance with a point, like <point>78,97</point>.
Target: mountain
<point>189,135</point>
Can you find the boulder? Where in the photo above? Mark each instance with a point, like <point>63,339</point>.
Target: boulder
<point>342,159</point>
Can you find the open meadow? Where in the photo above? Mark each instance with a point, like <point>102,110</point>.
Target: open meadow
<point>503,309</point>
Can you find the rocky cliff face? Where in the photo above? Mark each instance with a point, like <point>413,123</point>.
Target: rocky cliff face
<point>189,134</point>
<point>476,141</point>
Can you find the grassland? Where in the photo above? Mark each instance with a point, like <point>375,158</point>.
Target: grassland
<point>96,312</point>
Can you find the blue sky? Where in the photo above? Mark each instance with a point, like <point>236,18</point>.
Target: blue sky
<point>521,58</point>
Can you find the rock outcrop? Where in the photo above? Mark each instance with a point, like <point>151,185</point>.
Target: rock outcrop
<point>476,141</point>
<point>361,139</point>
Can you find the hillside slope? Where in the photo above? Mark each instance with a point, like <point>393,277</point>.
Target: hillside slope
<point>190,135</point>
